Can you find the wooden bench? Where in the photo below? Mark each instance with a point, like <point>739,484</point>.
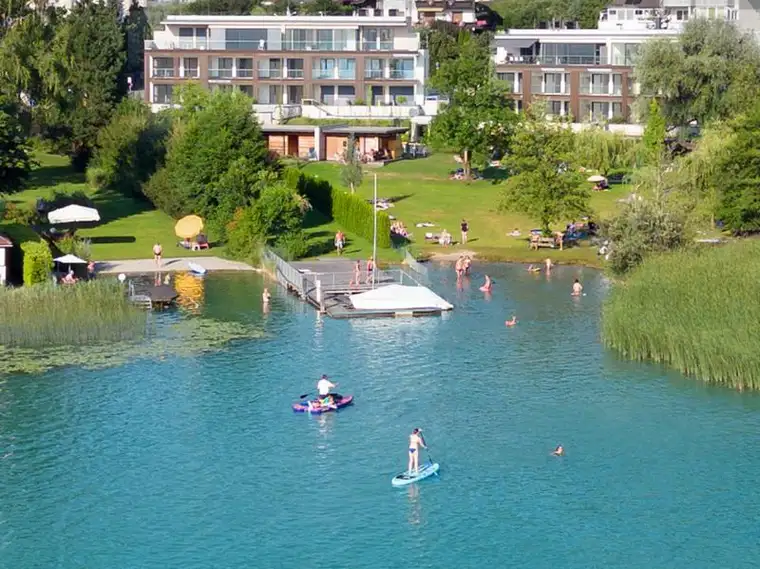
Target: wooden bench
<point>537,242</point>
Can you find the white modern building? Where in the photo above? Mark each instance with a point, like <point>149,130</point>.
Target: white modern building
<point>284,60</point>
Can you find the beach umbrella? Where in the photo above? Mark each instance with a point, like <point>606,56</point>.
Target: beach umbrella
<point>70,260</point>
<point>596,178</point>
<point>188,227</point>
<point>73,214</point>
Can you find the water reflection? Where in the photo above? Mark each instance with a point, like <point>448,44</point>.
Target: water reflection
<point>191,291</point>
<point>415,505</point>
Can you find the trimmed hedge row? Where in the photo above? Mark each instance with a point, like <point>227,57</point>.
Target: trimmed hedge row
<point>38,262</point>
<point>352,212</point>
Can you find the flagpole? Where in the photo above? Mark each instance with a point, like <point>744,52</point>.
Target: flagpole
<point>374,237</point>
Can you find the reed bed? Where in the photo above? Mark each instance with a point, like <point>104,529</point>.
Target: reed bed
<point>697,311</point>
<point>87,313</point>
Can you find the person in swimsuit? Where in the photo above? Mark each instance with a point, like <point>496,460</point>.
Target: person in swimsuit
<point>577,288</point>
<point>548,263</point>
<point>465,228</point>
<point>512,322</point>
<point>486,285</point>
<point>370,269</point>
<point>265,296</point>
<point>466,264</point>
<point>415,442</point>
<point>357,274</point>
<point>459,267</point>
<point>157,252</point>
<point>559,451</point>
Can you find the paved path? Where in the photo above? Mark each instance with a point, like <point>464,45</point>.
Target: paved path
<point>170,265</point>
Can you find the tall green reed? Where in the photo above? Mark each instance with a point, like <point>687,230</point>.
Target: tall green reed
<point>86,313</point>
<point>697,311</point>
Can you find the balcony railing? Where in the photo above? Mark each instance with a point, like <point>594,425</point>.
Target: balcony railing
<point>294,73</point>
<point>270,73</point>
<point>220,73</point>
<point>347,74</point>
<point>191,73</point>
<point>323,74</point>
<point>373,73</point>
<point>595,90</point>
<point>377,46</point>
<point>402,74</point>
<point>163,72</point>
<point>265,45</point>
<point>244,73</point>
<point>554,60</point>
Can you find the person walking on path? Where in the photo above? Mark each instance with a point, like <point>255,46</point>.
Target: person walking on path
<point>357,278</point>
<point>158,251</point>
<point>465,228</point>
<point>370,269</point>
<point>340,242</point>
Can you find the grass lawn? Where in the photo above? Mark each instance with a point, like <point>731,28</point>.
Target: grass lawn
<point>128,227</point>
<point>423,192</point>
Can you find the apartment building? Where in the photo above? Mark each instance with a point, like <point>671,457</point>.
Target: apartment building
<point>633,15</point>
<point>279,60</point>
<point>586,74</point>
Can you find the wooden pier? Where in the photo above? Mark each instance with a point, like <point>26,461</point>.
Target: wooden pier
<point>327,284</point>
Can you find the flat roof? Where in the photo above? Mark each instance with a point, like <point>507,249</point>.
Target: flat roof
<point>366,130</point>
<point>274,128</point>
<point>313,21</point>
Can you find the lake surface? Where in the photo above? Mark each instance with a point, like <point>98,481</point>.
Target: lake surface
<point>198,462</point>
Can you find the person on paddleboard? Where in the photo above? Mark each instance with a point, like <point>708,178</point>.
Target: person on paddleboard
<point>415,442</point>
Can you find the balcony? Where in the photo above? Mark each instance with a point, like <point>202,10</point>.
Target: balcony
<point>407,74</point>
<point>270,73</point>
<point>349,74</point>
<point>220,73</point>
<point>190,73</point>
<point>377,46</point>
<point>294,73</point>
<point>554,60</point>
<point>163,72</point>
<point>323,74</point>
<point>244,73</point>
<point>373,73</point>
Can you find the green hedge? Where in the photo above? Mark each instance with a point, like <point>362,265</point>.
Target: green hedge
<point>352,212</point>
<point>38,262</point>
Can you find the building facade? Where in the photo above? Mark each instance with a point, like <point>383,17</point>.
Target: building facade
<point>279,60</point>
<point>586,74</point>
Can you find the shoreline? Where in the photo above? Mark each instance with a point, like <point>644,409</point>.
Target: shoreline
<point>489,257</point>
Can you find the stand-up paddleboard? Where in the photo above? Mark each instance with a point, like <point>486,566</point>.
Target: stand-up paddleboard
<point>406,478</point>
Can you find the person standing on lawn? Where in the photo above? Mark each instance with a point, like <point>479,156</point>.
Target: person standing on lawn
<point>465,228</point>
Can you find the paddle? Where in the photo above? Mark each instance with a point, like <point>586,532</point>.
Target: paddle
<point>304,395</point>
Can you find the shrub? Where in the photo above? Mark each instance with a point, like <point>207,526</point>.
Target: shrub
<point>243,240</point>
<point>75,246</point>
<point>23,215</point>
<point>293,245</point>
<point>292,177</point>
<point>38,262</point>
<point>62,198</point>
<point>357,215</point>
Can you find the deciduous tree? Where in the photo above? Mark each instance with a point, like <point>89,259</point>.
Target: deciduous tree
<point>15,152</point>
<point>351,174</point>
<point>544,182</point>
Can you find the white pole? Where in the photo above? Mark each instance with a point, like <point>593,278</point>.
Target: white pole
<point>374,237</point>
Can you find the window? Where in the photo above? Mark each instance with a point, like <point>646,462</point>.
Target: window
<point>295,68</point>
<point>270,69</point>
<point>162,94</point>
<point>373,69</point>
<point>557,108</point>
<point>325,40</point>
<point>270,95</point>
<point>402,69</point>
<point>163,67</point>
<point>246,90</point>
<point>323,69</point>
<point>378,39</point>
<point>553,83</point>
<point>190,65</point>
<point>617,84</point>
<point>192,38</point>
<point>392,12</point>
<point>512,80</point>
<point>221,68</point>
<point>346,69</point>
<point>402,95</point>
<point>346,94</point>
<point>595,84</point>
<point>536,78</point>
<point>245,67</point>
<point>327,95</point>
<point>244,39</point>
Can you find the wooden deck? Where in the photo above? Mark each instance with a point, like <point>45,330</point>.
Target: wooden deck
<point>327,284</point>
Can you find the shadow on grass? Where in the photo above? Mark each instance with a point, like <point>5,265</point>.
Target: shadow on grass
<point>314,218</point>
<point>113,239</point>
<point>46,176</point>
<point>494,174</point>
<point>113,205</point>
<point>400,198</point>
<point>319,247</point>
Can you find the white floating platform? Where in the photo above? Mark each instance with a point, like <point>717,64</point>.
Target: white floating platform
<point>399,298</point>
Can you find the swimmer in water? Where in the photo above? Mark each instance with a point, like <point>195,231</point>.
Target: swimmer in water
<point>577,288</point>
<point>265,296</point>
<point>459,267</point>
<point>512,322</point>
<point>466,264</point>
<point>548,263</point>
<point>487,285</point>
<point>532,269</point>
<point>559,451</point>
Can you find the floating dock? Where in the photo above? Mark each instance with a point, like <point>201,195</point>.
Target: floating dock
<point>328,285</point>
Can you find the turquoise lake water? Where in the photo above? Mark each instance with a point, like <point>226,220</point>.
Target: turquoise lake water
<point>198,462</point>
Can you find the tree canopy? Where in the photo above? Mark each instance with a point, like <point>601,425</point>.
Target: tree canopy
<point>711,72</point>
<point>15,152</point>
<point>544,181</point>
